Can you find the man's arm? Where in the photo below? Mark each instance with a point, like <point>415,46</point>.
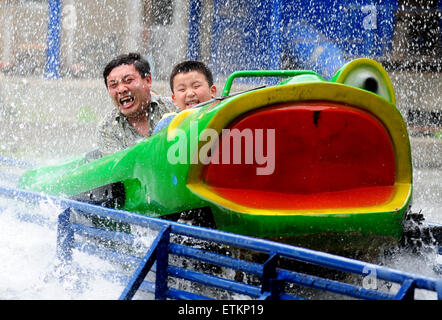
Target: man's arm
<point>107,142</point>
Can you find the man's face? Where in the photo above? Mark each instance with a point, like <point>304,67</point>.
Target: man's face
<point>128,90</point>
<point>191,88</point>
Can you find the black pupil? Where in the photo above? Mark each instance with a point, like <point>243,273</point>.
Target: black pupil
<point>371,84</point>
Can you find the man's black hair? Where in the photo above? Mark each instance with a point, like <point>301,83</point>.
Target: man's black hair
<point>140,64</point>
<point>191,65</point>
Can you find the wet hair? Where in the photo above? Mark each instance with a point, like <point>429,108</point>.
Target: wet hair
<point>191,65</point>
<point>140,64</point>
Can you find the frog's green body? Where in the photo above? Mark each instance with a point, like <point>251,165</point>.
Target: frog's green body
<point>317,158</point>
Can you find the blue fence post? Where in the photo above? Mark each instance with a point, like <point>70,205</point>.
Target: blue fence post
<point>275,39</point>
<point>53,40</point>
<point>439,289</point>
<point>193,41</point>
<point>406,292</point>
<point>156,250</point>
<point>162,265</point>
<point>270,287</point>
<point>65,237</point>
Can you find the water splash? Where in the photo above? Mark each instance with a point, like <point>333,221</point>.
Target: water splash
<point>30,270</point>
<point>46,121</point>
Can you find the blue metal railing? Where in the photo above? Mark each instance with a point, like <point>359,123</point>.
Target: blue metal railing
<point>53,40</point>
<point>193,41</point>
<point>273,279</point>
<point>14,164</point>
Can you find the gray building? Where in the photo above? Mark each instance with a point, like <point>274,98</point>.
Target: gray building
<point>404,35</point>
<point>92,32</point>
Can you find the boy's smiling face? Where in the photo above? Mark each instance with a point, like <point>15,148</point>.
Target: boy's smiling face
<point>191,88</point>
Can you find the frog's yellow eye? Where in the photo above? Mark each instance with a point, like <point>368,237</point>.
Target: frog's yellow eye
<point>366,74</point>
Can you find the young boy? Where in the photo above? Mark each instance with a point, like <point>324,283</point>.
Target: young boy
<point>191,83</point>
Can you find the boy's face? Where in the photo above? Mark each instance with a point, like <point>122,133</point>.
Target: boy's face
<point>128,90</point>
<point>191,88</point>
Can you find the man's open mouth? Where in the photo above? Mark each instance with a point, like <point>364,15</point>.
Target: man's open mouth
<point>126,100</point>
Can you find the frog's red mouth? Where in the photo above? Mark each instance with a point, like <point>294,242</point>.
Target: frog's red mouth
<point>326,155</point>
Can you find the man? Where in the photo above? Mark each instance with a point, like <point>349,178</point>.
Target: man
<point>128,81</point>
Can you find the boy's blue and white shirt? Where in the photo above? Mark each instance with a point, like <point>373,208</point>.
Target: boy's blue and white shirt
<point>164,122</point>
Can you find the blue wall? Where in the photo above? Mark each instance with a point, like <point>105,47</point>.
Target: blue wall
<point>312,34</point>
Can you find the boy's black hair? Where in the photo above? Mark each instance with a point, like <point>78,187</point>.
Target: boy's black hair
<point>191,65</point>
<point>140,64</point>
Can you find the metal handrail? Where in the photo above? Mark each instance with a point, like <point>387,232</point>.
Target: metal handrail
<point>13,162</point>
<point>260,74</point>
